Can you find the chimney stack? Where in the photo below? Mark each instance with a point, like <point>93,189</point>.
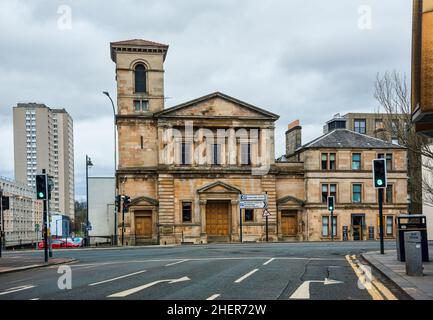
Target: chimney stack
<point>293,137</point>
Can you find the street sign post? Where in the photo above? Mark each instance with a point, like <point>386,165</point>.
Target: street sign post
<point>252,201</point>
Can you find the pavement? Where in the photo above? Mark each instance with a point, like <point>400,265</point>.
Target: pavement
<point>21,261</point>
<point>419,288</point>
<point>274,271</point>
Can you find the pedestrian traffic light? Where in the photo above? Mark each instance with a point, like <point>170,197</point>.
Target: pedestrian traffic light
<point>41,187</point>
<point>331,205</point>
<point>379,173</point>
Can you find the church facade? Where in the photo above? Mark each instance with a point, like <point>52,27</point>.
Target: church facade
<point>184,167</point>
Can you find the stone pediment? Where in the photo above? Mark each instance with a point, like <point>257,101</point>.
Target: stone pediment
<point>217,105</point>
<point>218,187</point>
<point>290,200</point>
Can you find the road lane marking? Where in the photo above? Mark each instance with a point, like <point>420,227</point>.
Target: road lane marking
<point>374,287</point>
<point>303,291</point>
<point>117,278</point>
<point>177,262</point>
<point>16,289</point>
<point>128,292</point>
<point>269,261</point>
<point>246,276</point>
<point>35,299</point>
<point>213,297</point>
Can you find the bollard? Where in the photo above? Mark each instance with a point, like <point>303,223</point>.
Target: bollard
<point>412,247</point>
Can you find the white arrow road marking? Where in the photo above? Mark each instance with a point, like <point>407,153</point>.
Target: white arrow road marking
<point>35,299</point>
<point>177,262</point>
<point>303,292</point>
<point>128,292</point>
<point>213,297</point>
<point>16,289</point>
<point>269,261</point>
<point>246,276</point>
<point>117,278</point>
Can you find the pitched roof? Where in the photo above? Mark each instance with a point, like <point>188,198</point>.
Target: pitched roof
<point>343,138</point>
<point>263,112</point>
<point>129,45</point>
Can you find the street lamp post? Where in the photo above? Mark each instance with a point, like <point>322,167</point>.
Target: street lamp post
<point>88,164</point>
<point>115,164</point>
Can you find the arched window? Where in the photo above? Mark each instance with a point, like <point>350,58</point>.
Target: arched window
<point>140,78</point>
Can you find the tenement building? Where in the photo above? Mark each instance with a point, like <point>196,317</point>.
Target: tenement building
<point>184,167</point>
<point>23,219</point>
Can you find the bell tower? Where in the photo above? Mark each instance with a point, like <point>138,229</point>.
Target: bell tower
<point>140,94</point>
<point>139,76</point>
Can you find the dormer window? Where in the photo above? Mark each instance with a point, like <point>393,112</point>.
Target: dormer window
<point>140,78</point>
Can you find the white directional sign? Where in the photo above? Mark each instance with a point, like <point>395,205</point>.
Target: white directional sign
<point>253,197</point>
<point>252,204</point>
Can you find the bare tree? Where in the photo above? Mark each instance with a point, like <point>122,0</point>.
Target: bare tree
<point>393,95</point>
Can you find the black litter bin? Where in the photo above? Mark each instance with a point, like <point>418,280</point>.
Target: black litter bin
<point>411,222</point>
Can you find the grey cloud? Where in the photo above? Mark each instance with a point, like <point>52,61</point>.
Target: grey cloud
<point>300,59</point>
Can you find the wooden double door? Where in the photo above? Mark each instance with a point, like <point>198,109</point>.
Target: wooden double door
<point>217,220</point>
<point>289,223</point>
<point>143,226</point>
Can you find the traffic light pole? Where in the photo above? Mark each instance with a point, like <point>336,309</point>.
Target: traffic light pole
<point>240,225</point>
<point>45,221</point>
<point>382,251</point>
<point>123,223</point>
<point>332,225</point>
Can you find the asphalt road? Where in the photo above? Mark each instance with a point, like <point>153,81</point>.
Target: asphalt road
<point>316,271</point>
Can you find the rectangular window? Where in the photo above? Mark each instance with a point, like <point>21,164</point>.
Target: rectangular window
<point>325,226</point>
<point>333,191</point>
<point>360,126</point>
<point>186,212</point>
<point>324,193</point>
<point>324,161</point>
<point>326,230</point>
<point>216,154</point>
<point>249,215</point>
<point>389,225</point>
<point>388,162</point>
<point>185,153</point>
<point>141,105</point>
<point>356,161</point>
<point>332,161</point>
<point>246,153</point>
<point>357,193</point>
<point>137,105</point>
<point>389,194</point>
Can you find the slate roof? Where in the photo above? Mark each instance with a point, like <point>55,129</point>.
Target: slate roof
<point>343,138</point>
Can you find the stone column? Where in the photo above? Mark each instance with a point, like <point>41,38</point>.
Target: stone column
<point>234,220</point>
<point>203,217</point>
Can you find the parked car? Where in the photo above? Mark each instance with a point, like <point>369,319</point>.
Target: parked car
<point>60,243</point>
<point>78,240</point>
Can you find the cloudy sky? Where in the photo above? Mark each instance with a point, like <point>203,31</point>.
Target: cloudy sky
<point>300,59</point>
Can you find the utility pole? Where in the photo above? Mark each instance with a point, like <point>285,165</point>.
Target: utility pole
<point>88,164</point>
<point>115,165</point>
<point>267,223</point>
<point>240,225</point>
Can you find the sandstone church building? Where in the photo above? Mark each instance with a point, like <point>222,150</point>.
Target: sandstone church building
<point>184,167</point>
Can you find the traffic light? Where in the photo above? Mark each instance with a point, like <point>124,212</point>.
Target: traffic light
<point>117,201</point>
<point>126,202</point>
<point>5,203</point>
<point>379,173</point>
<point>331,205</point>
<point>41,187</point>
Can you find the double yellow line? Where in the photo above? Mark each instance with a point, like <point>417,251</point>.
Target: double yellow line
<point>374,287</point>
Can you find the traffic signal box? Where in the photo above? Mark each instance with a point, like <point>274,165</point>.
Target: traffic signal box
<point>379,173</point>
<point>41,187</point>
